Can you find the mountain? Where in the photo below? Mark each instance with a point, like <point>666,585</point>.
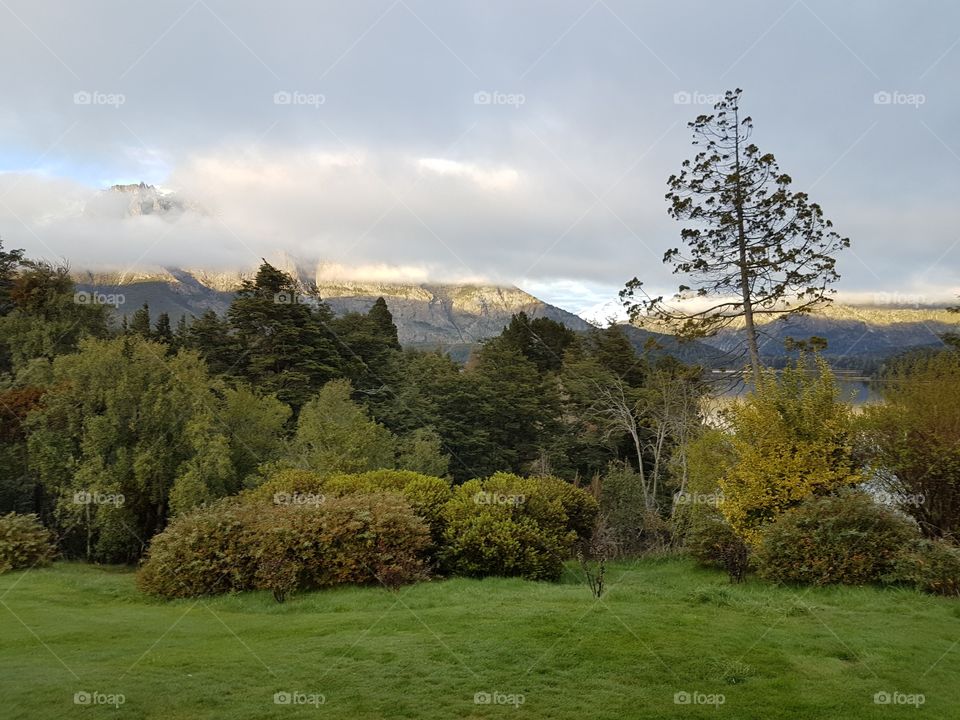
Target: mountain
<point>858,336</point>
<point>457,317</point>
<point>137,199</point>
<point>426,315</point>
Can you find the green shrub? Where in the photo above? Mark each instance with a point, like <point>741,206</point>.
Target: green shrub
<point>251,544</point>
<point>714,543</point>
<point>205,551</point>
<point>427,495</point>
<point>929,565</point>
<point>24,542</point>
<point>845,539</point>
<point>512,526</point>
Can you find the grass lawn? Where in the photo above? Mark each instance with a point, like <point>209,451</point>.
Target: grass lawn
<point>665,627</point>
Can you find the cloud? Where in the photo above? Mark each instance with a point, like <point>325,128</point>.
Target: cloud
<point>411,162</point>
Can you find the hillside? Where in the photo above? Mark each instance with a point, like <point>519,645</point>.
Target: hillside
<point>425,314</point>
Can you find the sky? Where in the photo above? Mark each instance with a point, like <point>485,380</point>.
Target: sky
<point>512,142</point>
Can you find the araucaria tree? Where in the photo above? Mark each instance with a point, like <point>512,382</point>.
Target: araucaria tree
<point>754,247</point>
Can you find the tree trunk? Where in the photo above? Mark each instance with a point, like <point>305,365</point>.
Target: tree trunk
<point>744,270</point>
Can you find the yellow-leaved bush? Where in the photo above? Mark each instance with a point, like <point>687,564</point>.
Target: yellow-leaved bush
<point>791,439</point>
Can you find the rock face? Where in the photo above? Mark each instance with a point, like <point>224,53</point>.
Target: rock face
<point>135,200</point>
<point>854,331</point>
<point>425,314</point>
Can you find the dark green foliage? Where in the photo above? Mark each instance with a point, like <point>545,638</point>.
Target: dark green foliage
<point>209,335</point>
<point>46,317</point>
<point>10,260</point>
<point>162,331</point>
<point>842,539</point>
<point>283,329</point>
<point>382,322</point>
<point>24,542</point>
<point>140,322</point>
<point>542,341</point>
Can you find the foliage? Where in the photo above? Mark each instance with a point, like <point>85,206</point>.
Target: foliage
<point>913,439</point>
<point>334,434</point>
<point>753,245</point>
<point>124,420</point>
<point>842,539</point>
<point>24,542</point>
<point>284,331</point>
<point>507,525</point>
<point>714,543</point>
<point>791,438</point>
<point>426,495</point>
<point>929,565</point>
<point>240,545</point>
<point>45,317</point>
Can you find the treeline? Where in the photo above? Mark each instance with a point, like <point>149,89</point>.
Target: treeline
<point>111,428</point>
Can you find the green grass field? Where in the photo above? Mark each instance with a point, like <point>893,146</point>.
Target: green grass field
<point>665,627</point>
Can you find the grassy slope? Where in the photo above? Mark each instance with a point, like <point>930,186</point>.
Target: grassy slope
<point>664,627</point>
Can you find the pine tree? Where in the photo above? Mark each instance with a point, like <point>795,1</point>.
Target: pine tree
<point>383,323</point>
<point>162,331</point>
<point>140,322</point>
<point>754,245</point>
<point>284,332</point>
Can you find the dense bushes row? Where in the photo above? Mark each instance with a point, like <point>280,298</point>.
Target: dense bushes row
<point>300,529</point>
<point>847,538</point>
<point>242,545</point>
